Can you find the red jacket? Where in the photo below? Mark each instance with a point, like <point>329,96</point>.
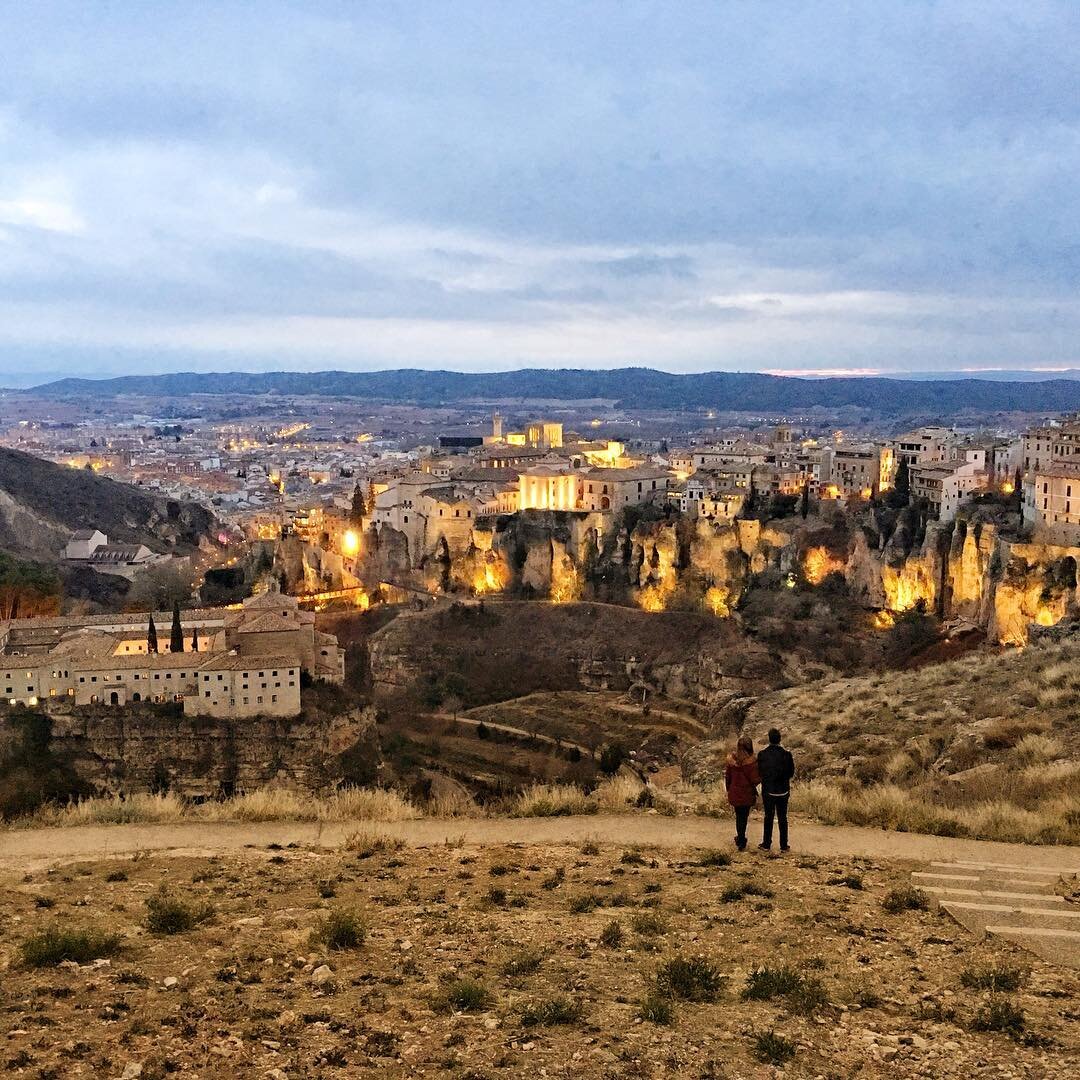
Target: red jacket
<point>742,778</point>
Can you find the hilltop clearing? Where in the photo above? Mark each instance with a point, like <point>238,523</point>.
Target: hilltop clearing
<point>586,960</point>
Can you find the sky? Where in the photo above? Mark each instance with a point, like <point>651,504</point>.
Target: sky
<point>772,186</point>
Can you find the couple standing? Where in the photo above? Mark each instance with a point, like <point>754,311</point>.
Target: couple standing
<point>773,769</point>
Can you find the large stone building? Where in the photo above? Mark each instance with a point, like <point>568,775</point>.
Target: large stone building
<point>1052,482</point>
<point>238,662</point>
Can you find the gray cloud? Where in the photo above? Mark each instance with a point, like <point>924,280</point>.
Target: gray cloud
<point>481,180</point>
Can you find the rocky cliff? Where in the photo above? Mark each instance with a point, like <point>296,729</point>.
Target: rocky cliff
<point>132,749</point>
<point>961,570</point>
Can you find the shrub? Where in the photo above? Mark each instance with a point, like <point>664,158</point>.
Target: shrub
<point>742,889</point>
<point>167,915</point>
<point>1002,1015</point>
<point>341,929</point>
<point>116,875</point>
<point>656,1009</point>
<point>773,1049</point>
<point>714,858</point>
<point>54,945</point>
<point>612,935</point>
<point>992,978</point>
<point>802,994</point>
<point>905,898</point>
<point>496,895</point>
<point>690,979</point>
<point>648,924</point>
<point>522,962</point>
<point>850,881</point>
<point>554,880</point>
<point>462,995</point>
<point>559,1010</point>
<point>767,983</point>
<point>582,905</point>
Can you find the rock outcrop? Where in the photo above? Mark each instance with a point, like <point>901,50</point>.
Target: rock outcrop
<point>130,750</point>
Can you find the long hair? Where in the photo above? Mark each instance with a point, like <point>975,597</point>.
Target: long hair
<point>745,746</point>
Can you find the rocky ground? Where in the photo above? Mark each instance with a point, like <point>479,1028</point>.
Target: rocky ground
<point>511,960</point>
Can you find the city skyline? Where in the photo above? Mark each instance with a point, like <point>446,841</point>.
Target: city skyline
<point>791,189</point>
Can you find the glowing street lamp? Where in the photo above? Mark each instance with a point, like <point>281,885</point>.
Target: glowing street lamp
<point>350,542</point>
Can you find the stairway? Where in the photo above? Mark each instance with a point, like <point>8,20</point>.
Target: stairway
<point>1026,905</point>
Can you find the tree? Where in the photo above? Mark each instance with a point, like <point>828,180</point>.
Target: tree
<point>359,506</point>
<point>194,639</point>
<point>903,479</point>
<point>804,502</point>
<point>151,636</point>
<point>176,637</point>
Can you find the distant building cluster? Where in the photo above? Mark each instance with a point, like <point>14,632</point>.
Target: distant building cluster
<point>234,662</point>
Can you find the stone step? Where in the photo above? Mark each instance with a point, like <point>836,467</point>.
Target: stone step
<point>1054,945</point>
<point>990,894</point>
<point>1023,915</point>
<point>1009,868</point>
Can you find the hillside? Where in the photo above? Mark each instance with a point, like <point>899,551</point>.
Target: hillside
<point>42,503</point>
<point>598,961</point>
<point>987,745</point>
<point>629,387</point>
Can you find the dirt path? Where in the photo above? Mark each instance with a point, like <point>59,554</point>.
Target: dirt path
<point>22,850</point>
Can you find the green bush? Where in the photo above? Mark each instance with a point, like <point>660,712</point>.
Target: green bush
<point>648,924</point>
<point>773,1049</point>
<point>551,1013</point>
<point>690,979</point>
<point>522,962</point>
<point>54,945</point>
<point>742,889</point>
<point>803,994</point>
<point>1000,1014</point>
<point>612,935</point>
<point>1001,978</point>
<point>714,858</point>
<point>657,1009</point>
<point>167,915</point>
<point>905,898</point>
<point>463,995</point>
<point>341,929</point>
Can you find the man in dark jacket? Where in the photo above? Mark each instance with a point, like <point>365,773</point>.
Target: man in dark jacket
<point>777,767</point>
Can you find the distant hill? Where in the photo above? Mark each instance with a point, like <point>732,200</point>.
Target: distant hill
<point>42,503</point>
<point>630,387</point>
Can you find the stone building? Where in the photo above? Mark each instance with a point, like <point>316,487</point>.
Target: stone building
<point>100,660</point>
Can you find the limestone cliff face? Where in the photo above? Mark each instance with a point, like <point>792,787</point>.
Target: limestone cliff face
<point>131,750</point>
<point>957,570</point>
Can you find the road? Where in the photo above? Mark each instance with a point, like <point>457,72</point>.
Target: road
<point>25,849</point>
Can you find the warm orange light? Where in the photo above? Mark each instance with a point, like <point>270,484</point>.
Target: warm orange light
<point>350,542</point>
<point>1008,487</point>
<point>716,600</point>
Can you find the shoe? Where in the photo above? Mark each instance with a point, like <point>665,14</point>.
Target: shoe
<point>768,847</point>
<point>785,849</point>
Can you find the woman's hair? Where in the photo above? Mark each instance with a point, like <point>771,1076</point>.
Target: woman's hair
<point>745,744</point>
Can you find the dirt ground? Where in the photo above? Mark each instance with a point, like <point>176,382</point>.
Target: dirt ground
<point>499,961</point>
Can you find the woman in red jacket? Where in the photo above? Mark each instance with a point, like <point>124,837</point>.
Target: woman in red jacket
<point>741,778</point>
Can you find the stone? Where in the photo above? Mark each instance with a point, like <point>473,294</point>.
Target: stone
<point>170,981</point>
<point>132,1070</point>
<point>322,976</point>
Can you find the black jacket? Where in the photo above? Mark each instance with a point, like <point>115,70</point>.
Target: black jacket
<point>777,767</point>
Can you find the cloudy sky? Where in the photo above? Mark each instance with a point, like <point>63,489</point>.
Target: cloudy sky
<point>874,185</point>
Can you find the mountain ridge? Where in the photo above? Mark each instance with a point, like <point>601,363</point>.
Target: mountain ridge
<point>629,387</point>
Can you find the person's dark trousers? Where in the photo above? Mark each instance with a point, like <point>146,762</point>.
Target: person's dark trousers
<point>742,816</point>
<point>775,804</point>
